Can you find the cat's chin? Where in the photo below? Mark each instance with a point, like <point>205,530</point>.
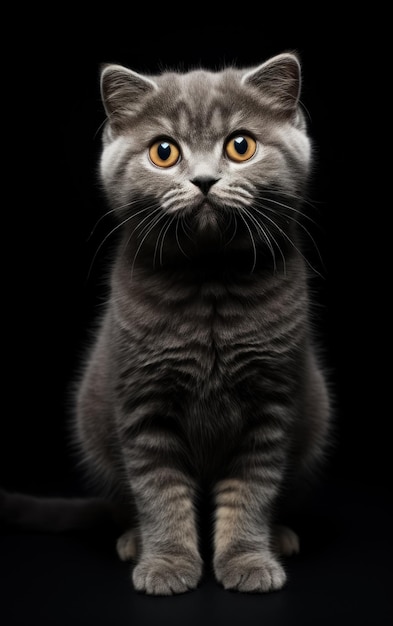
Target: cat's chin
<point>206,220</point>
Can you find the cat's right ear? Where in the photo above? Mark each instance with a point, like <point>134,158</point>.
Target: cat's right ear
<point>279,80</point>
<point>122,91</point>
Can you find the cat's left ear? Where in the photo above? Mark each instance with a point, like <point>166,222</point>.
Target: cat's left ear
<point>278,80</point>
<point>123,92</point>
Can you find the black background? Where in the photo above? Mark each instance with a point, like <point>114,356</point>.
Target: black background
<point>52,280</point>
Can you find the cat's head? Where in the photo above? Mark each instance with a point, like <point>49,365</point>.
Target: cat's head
<point>207,149</point>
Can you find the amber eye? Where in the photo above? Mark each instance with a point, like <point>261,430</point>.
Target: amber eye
<point>164,153</point>
<point>240,148</point>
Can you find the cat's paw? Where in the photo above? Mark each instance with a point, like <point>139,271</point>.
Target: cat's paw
<point>251,573</point>
<point>285,541</point>
<point>165,575</point>
<point>126,545</point>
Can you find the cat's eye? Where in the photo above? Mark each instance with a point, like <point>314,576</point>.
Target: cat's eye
<point>240,148</point>
<point>164,153</point>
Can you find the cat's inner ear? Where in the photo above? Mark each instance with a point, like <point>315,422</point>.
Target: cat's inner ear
<point>278,80</point>
<point>122,90</point>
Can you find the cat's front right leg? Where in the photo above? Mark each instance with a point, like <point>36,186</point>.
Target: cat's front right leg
<point>168,561</point>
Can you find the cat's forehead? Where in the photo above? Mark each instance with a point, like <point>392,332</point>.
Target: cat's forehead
<point>201,103</point>
<point>196,82</point>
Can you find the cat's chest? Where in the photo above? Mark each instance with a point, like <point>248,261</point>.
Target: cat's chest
<point>211,336</point>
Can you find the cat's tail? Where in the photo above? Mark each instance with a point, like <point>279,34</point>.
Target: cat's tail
<point>56,515</point>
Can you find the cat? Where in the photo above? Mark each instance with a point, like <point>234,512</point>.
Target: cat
<point>204,375</point>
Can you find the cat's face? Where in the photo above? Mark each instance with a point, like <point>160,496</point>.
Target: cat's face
<point>205,147</point>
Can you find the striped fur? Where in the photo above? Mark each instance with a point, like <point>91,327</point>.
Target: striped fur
<point>203,374</point>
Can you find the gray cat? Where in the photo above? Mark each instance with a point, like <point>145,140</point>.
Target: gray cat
<point>203,376</point>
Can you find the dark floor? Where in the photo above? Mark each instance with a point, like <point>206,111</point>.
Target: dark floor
<point>343,575</point>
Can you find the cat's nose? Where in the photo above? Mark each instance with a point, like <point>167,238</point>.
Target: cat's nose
<point>204,183</point>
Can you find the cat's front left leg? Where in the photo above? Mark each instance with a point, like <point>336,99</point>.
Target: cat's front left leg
<point>244,557</point>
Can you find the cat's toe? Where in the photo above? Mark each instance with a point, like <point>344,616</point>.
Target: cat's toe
<point>285,541</point>
<point>126,545</point>
<point>165,576</point>
<point>251,573</point>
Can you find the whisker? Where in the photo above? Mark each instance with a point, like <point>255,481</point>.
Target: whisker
<point>305,109</point>
<point>234,220</point>
<point>299,198</point>
<point>139,225</point>
<point>299,223</point>
<point>114,210</point>
<point>279,249</point>
<point>152,225</point>
<point>187,227</point>
<point>156,247</point>
<point>177,237</point>
<point>265,235</point>
<point>167,218</point>
<point>98,222</point>
<point>150,215</point>
<point>128,204</point>
<point>99,128</point>
<point>291,208</point>
<point>290,241</point>
<point>120,225</point>
<point>252,242</point>
<point>163,237</point>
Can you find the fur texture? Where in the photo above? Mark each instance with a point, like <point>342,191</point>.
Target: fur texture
<point>203,375</point>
